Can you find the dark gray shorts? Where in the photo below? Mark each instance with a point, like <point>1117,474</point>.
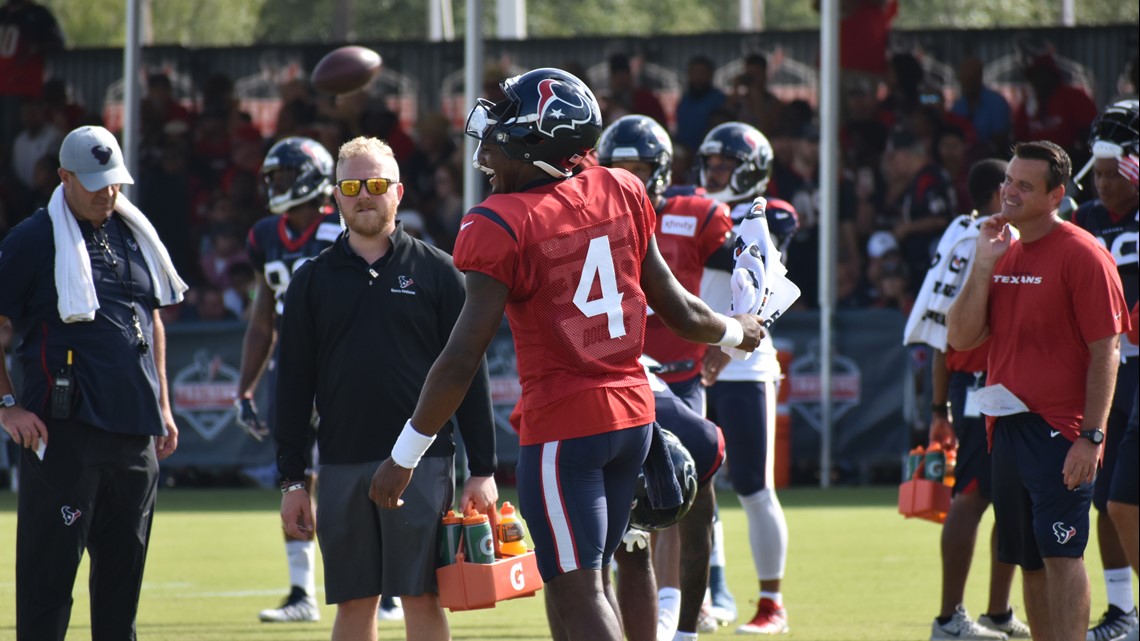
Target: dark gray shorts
<point>368,551</point>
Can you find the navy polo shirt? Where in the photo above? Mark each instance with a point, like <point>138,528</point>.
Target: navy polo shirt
<point>116,386</point>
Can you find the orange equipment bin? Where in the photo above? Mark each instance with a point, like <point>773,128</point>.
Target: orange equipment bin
<point>475,586</point>
<point>924,499</point>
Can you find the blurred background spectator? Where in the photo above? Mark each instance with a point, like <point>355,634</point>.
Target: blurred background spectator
<point>697,104</point>
<point>1053,109</point>
<point>29,33</point>
<point>987,110</point>
<point>919,201</point>
<point>624,95</point>
<point>37,138</point>
<point>750,100</point>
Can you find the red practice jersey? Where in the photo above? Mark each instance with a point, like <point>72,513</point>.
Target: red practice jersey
<point>1047,301</point>
<point>971,360</point>
<point>689,230</point>
<point>571,252</point>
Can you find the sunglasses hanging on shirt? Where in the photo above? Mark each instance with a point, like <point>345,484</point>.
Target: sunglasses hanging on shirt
<point>108,256</point>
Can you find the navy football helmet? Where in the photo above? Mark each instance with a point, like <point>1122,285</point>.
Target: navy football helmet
<point>782,223</point>
<point>642,516</point>
<point>1116,131</point>
<point>296,170</point>
<point>750,148</point>
<point>639,138</point>
<point>549,118</point>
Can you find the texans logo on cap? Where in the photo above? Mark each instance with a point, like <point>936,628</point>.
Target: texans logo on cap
<point>102,154</point>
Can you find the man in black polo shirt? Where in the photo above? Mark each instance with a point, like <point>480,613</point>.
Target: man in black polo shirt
<point>82,284</point>
<point>366,319</point>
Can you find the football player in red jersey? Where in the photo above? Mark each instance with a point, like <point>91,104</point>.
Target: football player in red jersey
<point>690,231</point>
<point>573,263</point>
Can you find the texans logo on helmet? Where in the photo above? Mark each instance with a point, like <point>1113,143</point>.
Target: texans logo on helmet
<point>557,107</point>
<point>752,137</point>
<point>1064,533</point>
<point>102,154</point>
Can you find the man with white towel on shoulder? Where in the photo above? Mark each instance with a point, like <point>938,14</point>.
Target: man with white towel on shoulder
<point>83,281</point>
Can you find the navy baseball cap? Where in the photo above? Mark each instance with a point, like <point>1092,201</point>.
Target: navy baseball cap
<point>93,155</point>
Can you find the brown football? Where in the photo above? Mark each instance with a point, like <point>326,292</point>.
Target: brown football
<point>346,69</point>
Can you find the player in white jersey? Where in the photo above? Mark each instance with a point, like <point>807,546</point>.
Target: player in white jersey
<point>735,163</point>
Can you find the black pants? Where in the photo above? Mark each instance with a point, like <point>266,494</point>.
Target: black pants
<point>93,491</point>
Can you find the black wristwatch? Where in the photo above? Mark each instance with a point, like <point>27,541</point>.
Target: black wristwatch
<point>7,401</point>
<point>1096,436</point>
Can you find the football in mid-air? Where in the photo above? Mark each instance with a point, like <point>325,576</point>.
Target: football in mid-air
<point>346,69</point>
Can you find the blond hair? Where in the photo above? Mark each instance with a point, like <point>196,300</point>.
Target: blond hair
<point>367,146</point>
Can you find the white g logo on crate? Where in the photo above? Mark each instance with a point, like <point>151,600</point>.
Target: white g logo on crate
<point>518,578</point>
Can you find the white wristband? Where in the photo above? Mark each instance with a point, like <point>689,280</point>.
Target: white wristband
<point>410,447</point>
<point>733,332</point>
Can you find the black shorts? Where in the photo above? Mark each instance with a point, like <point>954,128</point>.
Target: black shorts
<point>1127,378</point>
<point>1036,515</point>
<point>1126,479</point>
<point>973,471</point>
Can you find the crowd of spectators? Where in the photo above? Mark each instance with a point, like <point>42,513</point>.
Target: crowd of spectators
<point>906,147</point>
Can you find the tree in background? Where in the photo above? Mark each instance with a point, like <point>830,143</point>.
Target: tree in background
<point>204,23</point>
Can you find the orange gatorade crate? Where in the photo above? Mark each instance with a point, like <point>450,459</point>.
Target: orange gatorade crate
<point>920,498</point>
<point>475,586</point>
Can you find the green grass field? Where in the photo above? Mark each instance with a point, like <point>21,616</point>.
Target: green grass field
<point>856,570</point>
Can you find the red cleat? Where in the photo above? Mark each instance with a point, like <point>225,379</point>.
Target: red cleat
<point>770,619</point>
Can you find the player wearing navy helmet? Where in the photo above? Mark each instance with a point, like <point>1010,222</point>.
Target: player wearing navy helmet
<point>1114,219</point>
<point>298,176</point>
<point>735,161</point>
<point>573,263</point>
<point>691,229</point>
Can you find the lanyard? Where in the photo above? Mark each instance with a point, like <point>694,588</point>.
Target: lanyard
<point>108,256</point>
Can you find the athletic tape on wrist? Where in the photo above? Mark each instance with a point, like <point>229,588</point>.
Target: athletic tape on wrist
<point>410,447</point>
<point>733,332</point>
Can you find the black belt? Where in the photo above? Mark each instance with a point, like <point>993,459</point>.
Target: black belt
<point>674,366</point>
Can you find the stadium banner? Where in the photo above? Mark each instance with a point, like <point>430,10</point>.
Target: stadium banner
<point>202,367</point>
<point>870,372</point>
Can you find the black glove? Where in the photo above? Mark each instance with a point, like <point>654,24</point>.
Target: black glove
<point>247,418</point>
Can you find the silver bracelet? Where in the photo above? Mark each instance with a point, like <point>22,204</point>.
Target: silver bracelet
<point>292,488</point>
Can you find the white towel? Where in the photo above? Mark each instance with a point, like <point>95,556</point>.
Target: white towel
<point>73,281</point>
<point>945,278</point>
<point>760,284</point>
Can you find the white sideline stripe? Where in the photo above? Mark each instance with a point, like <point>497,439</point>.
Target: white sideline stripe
<point>559,527</point>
